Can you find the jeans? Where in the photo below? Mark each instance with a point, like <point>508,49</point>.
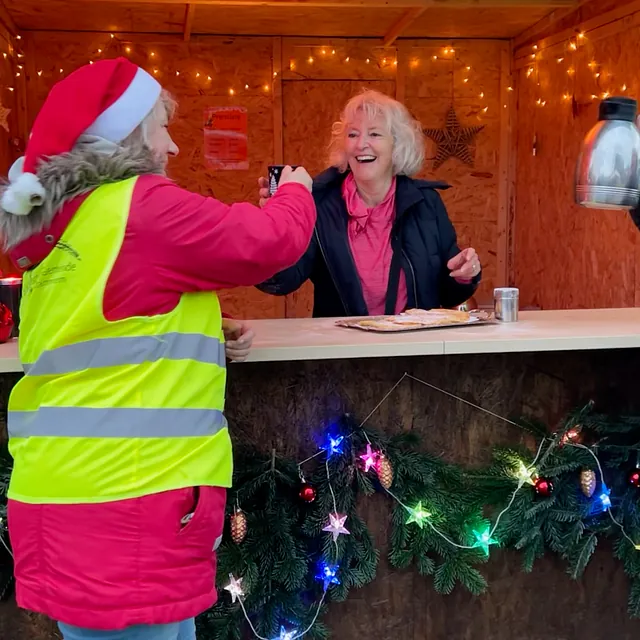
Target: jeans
<point>185,630</point>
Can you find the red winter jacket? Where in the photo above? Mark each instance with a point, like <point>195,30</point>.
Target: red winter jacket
<point>112,565</point>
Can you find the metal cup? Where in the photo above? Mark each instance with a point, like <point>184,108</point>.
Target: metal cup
<point>506,302</point>
<point>275,173</point>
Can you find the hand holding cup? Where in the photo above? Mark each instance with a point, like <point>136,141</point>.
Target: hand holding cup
<point>287,175</point>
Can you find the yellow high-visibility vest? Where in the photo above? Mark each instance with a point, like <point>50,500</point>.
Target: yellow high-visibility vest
<point>113,410</point>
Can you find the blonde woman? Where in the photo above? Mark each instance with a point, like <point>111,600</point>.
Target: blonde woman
<point>383,240</point>
<point>121,450</point>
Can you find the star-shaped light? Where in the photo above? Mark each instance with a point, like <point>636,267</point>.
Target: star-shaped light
<point>484,539</point>
<point>235,588</point>
<point>453,141</point>
<point>336,525</point>
<point>605,499</point>
<point>525,474</point>
<point>328,575</point>
<point>418,515</point>
<point>369,458</point>
<point>334,446</point>
<point>287,635</point>
<point>601,501</point>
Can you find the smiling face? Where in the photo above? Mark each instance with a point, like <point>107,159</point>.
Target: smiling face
<point>369,148</point>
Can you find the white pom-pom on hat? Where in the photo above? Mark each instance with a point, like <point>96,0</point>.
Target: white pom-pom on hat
<point>23,194</point>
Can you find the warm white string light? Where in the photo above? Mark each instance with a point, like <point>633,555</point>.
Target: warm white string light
<point>594,68</point>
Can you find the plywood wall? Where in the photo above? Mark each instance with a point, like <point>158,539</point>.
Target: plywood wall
<point>293,90</point>
<point>477,85</point>
<point>567,256</point>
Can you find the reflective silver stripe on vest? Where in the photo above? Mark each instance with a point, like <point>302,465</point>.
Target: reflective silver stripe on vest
<point>86,422</point>
<point>112,352</point>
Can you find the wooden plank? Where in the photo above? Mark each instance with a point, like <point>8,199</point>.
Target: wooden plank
<point>505,160</point>
<point>592,29</point>
<point>396,29</point>
<point>278,137</point>
<point>389,4</point>
<point>7,20</point>
<point>189,14</point>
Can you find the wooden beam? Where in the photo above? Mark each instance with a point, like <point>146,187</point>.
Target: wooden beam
<point>542,27</point>
<point>188,21</point>
<point>600,26</point>
<point>403,53</point>
<point>7,20</point>
<point>368,4</point>
<point>278,113</point>
<point>409,16</point>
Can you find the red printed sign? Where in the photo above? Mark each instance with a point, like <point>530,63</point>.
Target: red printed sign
<point>225,138</point>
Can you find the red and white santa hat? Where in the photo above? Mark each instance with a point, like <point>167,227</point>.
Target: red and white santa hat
<point>109,99</point>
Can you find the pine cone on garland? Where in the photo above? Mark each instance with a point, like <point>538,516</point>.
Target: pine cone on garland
<point>385,471</point>
<point>588,482</point>
<point>238,526</point>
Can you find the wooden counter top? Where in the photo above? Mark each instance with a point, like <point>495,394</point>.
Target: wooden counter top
<point>309,339</point>
<point>589,329</point>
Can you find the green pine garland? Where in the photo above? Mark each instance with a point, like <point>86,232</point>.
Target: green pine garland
<point>285,542</point>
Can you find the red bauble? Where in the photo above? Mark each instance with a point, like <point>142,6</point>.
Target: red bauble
<point>6,322</point>
<point>634,478</point>
<point>307,493</point>
<point>544,487</point>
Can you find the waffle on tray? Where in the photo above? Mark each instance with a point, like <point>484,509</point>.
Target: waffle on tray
<point>411,319</point>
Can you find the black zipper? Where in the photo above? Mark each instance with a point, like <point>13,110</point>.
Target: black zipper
<point>335,284</point>
<point>413,277</point>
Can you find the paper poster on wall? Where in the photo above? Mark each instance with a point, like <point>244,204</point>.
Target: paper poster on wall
<point>225,138</point>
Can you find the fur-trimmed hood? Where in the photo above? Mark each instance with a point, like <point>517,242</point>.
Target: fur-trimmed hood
<point>72,174</point>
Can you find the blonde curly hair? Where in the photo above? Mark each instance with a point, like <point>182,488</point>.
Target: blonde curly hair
<point>406,131</point>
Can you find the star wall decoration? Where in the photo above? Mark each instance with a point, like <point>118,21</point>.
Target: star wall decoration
<point>4,116</point>
<point>453,140</point>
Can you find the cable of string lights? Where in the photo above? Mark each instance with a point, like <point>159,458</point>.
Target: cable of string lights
<point>524,474</point>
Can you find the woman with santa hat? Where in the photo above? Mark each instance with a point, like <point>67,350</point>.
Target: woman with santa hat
<point>121,449</point>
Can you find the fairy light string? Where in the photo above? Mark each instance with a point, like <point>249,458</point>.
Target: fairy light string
<point>206,75</point>
<point>578,56</point>
<point>420,514</point>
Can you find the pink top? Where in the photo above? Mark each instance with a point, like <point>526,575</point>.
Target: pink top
<point>369,231</point>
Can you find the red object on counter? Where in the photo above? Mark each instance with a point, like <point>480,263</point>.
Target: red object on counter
<point>6,323</point>
<point>10,295</point>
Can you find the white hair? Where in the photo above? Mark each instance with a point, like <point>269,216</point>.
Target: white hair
<point>164,108</point>
<point>406,131</point>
